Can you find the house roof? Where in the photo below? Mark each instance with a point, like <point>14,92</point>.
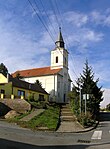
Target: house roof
<point>25,85</point>
<point>36,72</point>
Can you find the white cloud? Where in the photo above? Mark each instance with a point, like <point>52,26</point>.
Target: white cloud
<point>90,35</point>
<point>97,17</point>
<point>77,19</point>
<point>83,38</point>
<point>102,18</point>
<point>106,96</point>
<point>19,51</point>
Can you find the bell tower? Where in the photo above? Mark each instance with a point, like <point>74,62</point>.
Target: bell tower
<point>59,56</point>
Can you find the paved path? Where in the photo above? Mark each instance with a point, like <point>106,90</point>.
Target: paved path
<point>70,127</point>
<point>68,121</point>
<point>32,114</point>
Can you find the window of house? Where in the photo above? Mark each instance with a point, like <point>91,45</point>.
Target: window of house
<point>2,91</point>
<point>21,93</point>
<point>41,97</point>
<point>56,59</point>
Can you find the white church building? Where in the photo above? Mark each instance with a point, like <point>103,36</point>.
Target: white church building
<point>55,79</point>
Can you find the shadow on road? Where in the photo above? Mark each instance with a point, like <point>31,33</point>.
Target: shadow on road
<point>6,144</point>
<point>104,116</point>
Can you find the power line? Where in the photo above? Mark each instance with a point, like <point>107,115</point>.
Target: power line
<point>44,23</point>
<point>66,36</point>
<point>47,16</point>
<point>40,19</point>
<point>54,11</point>
<point>58,11</point>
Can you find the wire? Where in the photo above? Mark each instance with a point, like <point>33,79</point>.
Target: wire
<point>65,36</point>
<point>54,11</point>
<point>44,10</point>
<point>44,23</point>
<point>40,19</point>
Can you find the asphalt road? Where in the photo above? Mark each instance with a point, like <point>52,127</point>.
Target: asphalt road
<point>14,137</point>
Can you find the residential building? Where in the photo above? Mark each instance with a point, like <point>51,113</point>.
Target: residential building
<point>15,88</point>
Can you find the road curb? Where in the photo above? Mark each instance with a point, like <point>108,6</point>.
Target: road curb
<point>82,131</point>
<point>88,129</point>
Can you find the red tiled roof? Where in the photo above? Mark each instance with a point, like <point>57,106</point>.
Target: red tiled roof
<point>36,72</point>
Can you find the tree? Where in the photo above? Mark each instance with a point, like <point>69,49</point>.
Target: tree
<point>3,69</point>
<point>38,82</point>
<point>18,76</point>
<point>87,85</point>
<point>108,107</point>
<point>74,100</point>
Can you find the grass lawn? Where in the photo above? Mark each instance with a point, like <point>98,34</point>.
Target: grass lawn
<point>49,119</point>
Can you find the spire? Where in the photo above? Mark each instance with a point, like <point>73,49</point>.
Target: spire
<point>60,42</point>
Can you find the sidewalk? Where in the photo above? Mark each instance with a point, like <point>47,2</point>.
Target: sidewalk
<point>70,127</point>
<point>69,122</point>
<point>32,114</point>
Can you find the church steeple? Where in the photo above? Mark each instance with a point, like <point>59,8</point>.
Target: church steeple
<point>59,56</point>
<point>60,42</point>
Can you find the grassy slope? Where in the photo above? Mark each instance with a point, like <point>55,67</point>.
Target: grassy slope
<point>49,118</point>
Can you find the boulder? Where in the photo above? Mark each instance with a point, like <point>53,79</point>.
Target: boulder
<point>11,114</point>
<point>19,105</point>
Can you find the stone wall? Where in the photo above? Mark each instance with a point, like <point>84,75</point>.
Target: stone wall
<point>19,105</point>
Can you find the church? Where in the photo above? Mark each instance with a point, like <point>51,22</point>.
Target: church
<point>55,79</point>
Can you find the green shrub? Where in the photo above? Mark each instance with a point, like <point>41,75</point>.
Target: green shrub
<point>86,120</point>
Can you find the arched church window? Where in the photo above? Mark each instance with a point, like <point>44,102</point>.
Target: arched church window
<point>56,59</point>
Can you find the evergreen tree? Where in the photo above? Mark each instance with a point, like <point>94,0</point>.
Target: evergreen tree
<point>90,87</point>
<point>3,69</point>
<point>86,85</point>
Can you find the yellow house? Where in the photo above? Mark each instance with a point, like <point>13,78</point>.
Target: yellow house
<point>15,88</point>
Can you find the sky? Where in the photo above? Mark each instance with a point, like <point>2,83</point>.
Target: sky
<point>29,29</point>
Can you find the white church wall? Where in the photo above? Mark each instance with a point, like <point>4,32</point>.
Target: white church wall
<point>60,88</point>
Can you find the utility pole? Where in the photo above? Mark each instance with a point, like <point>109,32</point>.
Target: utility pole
<point>79,86</point>
<point>80,100</point>
<point>85,103</point>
